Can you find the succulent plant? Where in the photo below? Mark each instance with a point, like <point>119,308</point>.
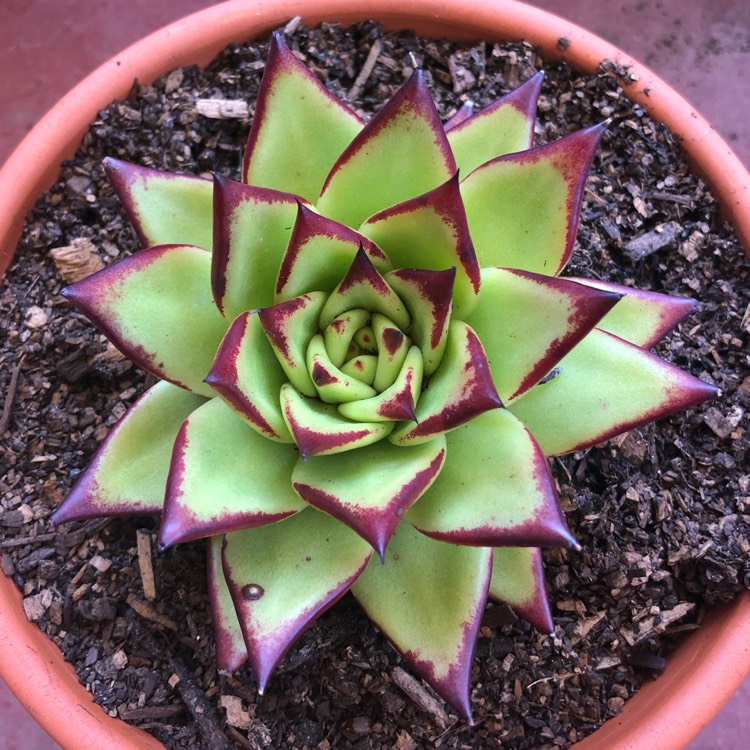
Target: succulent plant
<point>366,356</point>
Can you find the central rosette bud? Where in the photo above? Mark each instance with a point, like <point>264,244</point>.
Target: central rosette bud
<point>354,362</point>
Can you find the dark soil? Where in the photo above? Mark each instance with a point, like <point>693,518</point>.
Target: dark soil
<point>661,513</point>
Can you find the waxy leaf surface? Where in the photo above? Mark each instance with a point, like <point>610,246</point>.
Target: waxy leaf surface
<point>251,231</point>
<point>523,209</point>
<point>225,476</point>
<point>231,652</point>
<point>401,152</point>
<point>128,473</point>
<point>319,254</point>
<point>247,375</point>
<point>605,386</point>
<point>504,127</point>
<point>299,128</point>
<point>164,208</point>
<point>319,429</point>
<point>430,232</point>
<point>284,575</point>
<point>518,580</point>
<point>156,307</point>
<point>527,322</point>
<point>643,318</point>
<point>428,598</point>
<point>460,390</point>
<point>495,489</point>
<point>370,489</point>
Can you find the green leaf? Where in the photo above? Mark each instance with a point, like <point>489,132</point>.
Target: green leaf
<point>156,307</point>
<point>370,489</point>
<point>495,489</point>
<point>393,346</point>
<point>299,128</point>
<point>605,386</point>
<point>290,327</point>
<point>504,127</point>
<point>248,376</point>
<point>164,208</point>
<point>518,580</point>
<point>428,298</point>
<point>402,152</point>
<point>215,484</point>
<point>364,288</point>
<point>431,232</point>
<point>283,576</point>
<point>642,318</point>
<point>528,322</point>
<point>319,254</point>
<point>428,598</point>
<point>128,473</point>
<point>395,403</point>
<point>251,231</point>
<point>523,209</point>
<point>319,429</point>
<point>231,652</point>
<point>460,390</point>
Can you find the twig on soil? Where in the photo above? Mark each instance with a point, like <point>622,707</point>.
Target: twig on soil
<point>414,689</point>
<point>145,563</point>
<point>145,610</point>
<point>10,396</point>
<point>367,68</point>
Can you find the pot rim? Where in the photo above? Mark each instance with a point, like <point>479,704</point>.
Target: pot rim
<point>709,665</point>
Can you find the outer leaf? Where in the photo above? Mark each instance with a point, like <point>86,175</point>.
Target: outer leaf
<point>523,209</point>
<point>231,652</point>
<point>248,376</point>
<point>529,322</point>
<point>427,295</point>
<point>401,152</point>
<point>642,318</point>
<point>156,307</point>
<point>431,232</point>
<point>496,489</point>
<point>428,598</point>
<point>370,489</point>
<point>225,476</point>
<point>518,580</point>
<point>320,253</point>
<point>128,473</point>
<point>364,288</point>
<point>460,390</point>
<point>251,230</point>
<point>299,128</point>
<point>318,428</point>
<point>290,327</point>
<point>164,208</point>
<point>605,386</point>
<point>504,127</point>
<point>283,576</point>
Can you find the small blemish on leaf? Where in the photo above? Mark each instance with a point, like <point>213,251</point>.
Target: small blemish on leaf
<point>253,591</point>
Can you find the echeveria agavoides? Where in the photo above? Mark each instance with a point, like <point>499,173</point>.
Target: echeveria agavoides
<point>366,357</point>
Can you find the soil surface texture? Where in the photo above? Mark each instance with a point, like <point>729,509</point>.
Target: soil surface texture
<point>661,513</point>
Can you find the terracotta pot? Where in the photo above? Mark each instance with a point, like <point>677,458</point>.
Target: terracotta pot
<point>709,665</point>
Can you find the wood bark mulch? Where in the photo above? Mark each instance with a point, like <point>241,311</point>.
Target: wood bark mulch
<point>661,513</point>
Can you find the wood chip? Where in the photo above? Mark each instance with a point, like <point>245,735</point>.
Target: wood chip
<point>77,260</point>
<point>646,244</point>
<point>367,68</point>
<point>420,695</point>
<point>223,109</point>
<point>145,610</point>
<point>10,397</point>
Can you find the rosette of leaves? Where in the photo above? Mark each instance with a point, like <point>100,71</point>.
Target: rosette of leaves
<point>366,357</point>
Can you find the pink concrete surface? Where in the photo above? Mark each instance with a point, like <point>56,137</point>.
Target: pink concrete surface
<point>702,48</point>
